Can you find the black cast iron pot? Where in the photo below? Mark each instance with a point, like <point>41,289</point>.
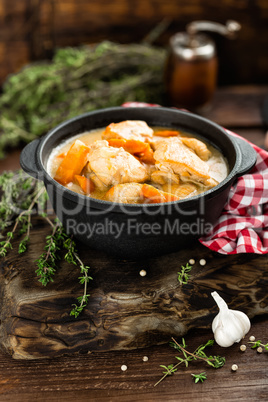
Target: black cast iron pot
<point>134,231</point>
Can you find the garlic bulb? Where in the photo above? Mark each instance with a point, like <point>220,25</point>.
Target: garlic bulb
<point>229,326</point>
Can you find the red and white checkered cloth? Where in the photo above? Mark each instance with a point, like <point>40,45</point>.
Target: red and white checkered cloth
<point>243,224</point>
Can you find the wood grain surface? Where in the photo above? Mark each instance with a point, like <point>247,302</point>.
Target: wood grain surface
<point>98,376</point>
<point>125,310</point>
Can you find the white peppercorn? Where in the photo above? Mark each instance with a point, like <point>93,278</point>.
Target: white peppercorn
<point>234,367</point>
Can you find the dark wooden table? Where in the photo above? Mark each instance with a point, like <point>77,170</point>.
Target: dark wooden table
<point>98,376</point>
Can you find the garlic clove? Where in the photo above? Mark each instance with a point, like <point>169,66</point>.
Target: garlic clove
<point>229,326</point>
<point>244,321</point>
<point>222,338</point>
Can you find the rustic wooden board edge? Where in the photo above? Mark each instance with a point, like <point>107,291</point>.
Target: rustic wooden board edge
<point>125,311</point>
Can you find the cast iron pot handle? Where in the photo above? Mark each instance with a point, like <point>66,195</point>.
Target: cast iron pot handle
<point>248,154</point>
<point>28,159</point>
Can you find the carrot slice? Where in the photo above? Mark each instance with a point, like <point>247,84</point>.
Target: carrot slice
<point>86,184</point>
<point>140,149</point>
<point>62,155</point>
<point>152,195</point>
<point>147,156</point>
<point>73,163</point>
<point>166,133</point>
<point>136,146</point>
<point>131,146</point>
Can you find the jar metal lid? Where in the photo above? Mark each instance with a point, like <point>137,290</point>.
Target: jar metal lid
<point>192,47</point>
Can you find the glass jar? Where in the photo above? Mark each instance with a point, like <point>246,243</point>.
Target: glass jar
<point>191,70</point>
<point>192,65</point>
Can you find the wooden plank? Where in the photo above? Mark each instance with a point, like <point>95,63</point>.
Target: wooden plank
<point>15,55</point>
<point>125,310</point>
<point>238,106</point>
<point>98,376</point>
<point>256,136</point>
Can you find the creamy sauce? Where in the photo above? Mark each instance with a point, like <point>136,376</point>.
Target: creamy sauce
<point>218,168</point>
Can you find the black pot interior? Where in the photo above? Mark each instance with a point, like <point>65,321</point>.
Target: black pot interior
<point>175,119</point>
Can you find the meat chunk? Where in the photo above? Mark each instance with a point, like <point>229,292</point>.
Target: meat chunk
<point>152,195</point>
<point>128,130</point>
<point>108,166</point>
<point>182,191</point>
<point>162,177</point>
<point>198,147</point>
<point>172,156</point>
<point>135,193</point>
<point>129,193</point>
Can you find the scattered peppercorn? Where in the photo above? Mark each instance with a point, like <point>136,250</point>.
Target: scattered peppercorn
<point>123,367</point>
<point>143,272</point>
<point>243,348</point>
<point>202,261</point>
<point>252,338</point>
<point>259,349</point>
<point>234,367</point>
<point>191,261</point>
<point>145,358</point>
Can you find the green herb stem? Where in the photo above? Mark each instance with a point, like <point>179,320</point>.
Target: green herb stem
<point>21,192</point>
<point>199,377</point>
<point>256,344</point>
<point>170,372</point>
<point>47,262</point>
<point>73,257</point>
<point>7,243</point>
<point>183,275</point>
<point>214,361</point>
<point>194,355</point>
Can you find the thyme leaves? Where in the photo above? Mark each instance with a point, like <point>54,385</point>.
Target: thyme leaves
<point>21,198</point>
<point>187,357</point>
<point>183,274</point>
<point>75,81</point>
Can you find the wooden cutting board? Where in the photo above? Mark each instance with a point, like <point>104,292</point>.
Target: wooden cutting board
<point>125,310</point>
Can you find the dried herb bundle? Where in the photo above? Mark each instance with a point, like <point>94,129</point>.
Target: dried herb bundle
<point>77,80</point>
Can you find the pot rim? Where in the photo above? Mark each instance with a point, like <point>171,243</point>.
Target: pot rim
<point>101,204</point>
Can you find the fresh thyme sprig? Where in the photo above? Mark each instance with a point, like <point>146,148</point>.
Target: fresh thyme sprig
<point>47,262</point>
<point>24,218</point>
<point>183,275</point>
<point>17,193</point>
<point>169,370</point>
<point>257,344</point>
<point>73,258</point>
<point>21,197</point>
<point>25,228</point>
<point>214,361</point>
<point>198,354</point>
<point>199,377</point>
<point>6,244</point>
